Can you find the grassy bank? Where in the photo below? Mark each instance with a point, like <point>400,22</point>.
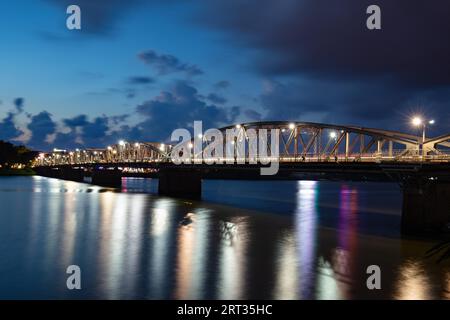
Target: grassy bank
<point>17,172</point>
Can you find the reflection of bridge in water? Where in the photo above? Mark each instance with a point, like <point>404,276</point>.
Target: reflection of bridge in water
<point>306,151</point>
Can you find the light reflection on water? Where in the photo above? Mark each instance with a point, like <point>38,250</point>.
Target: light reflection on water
<point>316,243</point>
<point>232,260</point>
<point>413,283</point>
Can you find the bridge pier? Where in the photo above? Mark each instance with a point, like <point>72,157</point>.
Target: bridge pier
<point>76,175</point>
<point>62,173</point>
<point>107,178</point>
<point>426,208</point>
<point>182,183</point>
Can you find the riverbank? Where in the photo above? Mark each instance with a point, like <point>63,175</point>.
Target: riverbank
<point>17,172</point>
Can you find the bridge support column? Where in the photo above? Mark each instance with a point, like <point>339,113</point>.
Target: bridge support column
<point>180,183</point>
<point>426,208</point>
<point>64,173</point>
<point>76,175</point>
<point>107,178</point>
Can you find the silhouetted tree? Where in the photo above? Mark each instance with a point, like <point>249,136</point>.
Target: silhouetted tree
<point>10,154</point>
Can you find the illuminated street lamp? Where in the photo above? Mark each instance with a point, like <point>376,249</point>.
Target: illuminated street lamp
<point>292,126</point>
<point>417,122</point>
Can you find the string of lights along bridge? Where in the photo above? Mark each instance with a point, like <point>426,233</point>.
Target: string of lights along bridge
<point>297,141</point>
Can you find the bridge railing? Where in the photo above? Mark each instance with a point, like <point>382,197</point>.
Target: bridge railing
<point>81,157</point>
<point>265,160</point>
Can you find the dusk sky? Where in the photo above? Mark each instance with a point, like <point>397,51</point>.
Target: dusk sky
<point>139,69</point>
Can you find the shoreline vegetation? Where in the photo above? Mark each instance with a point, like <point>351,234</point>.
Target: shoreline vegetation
<point>16,160</point>
<point>9,172</point>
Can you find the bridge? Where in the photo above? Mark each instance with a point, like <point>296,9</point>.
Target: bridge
<point>304,150</point>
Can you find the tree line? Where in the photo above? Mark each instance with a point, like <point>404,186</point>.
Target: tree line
<point>11,154</point>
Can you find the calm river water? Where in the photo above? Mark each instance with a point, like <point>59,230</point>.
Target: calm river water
<point>280,240</point>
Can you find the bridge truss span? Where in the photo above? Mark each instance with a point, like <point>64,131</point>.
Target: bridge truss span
<point>306,141</point>
<point>296,142</point>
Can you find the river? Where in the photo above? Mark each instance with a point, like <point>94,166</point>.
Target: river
<point>244,240</point>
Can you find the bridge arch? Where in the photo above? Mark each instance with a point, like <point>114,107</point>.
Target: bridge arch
<point>297,141</point>
<point>309,140</point>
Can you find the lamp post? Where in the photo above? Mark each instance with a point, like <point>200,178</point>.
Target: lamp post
<point>419,122</point>
<point>333,136</point>
<point>122,145</point>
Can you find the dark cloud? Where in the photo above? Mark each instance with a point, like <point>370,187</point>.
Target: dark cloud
<point>116,120</point>
<point>41,126</point>
<point>328,66</point>
<point>215,98</point>
<point>371,103</point>
<point>84,132</point>
<point>223,84</point>
<point>330,38</point>
<point>8,128</point>
<point>131,94</point>
<point>126,92</point>
<point>140,80</point>
<point>77,121</point>
<point>95,132</point>
<point>179,108</point>
<point>79,131</point>
<point>98,16</point>
<point>18,103</point>
<point>252,115</point>
<point>166,63</point>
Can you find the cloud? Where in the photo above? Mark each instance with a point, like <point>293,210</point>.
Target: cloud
<point>116,120</point>
<point>372,103</point>
<point>8,128</point>
<point>325,65</point>
<point>137,80</point>
<point>223,84</point>
<point>77,121</point>
<point>95,132</point>
<point>41,127</point>
<point>330,39</point>
<point>75,132</point>
<point>126,92</point>
<point>84,132</point>
<point>99,17</point>
<point>215,98</point>
<point>165,64</point>
<point>252,115</point>
<point>18,103</point>
<point>176,108</point>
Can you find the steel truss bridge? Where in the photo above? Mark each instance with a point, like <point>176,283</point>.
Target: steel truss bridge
<point>297,141</point>
<point>307,151</point>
